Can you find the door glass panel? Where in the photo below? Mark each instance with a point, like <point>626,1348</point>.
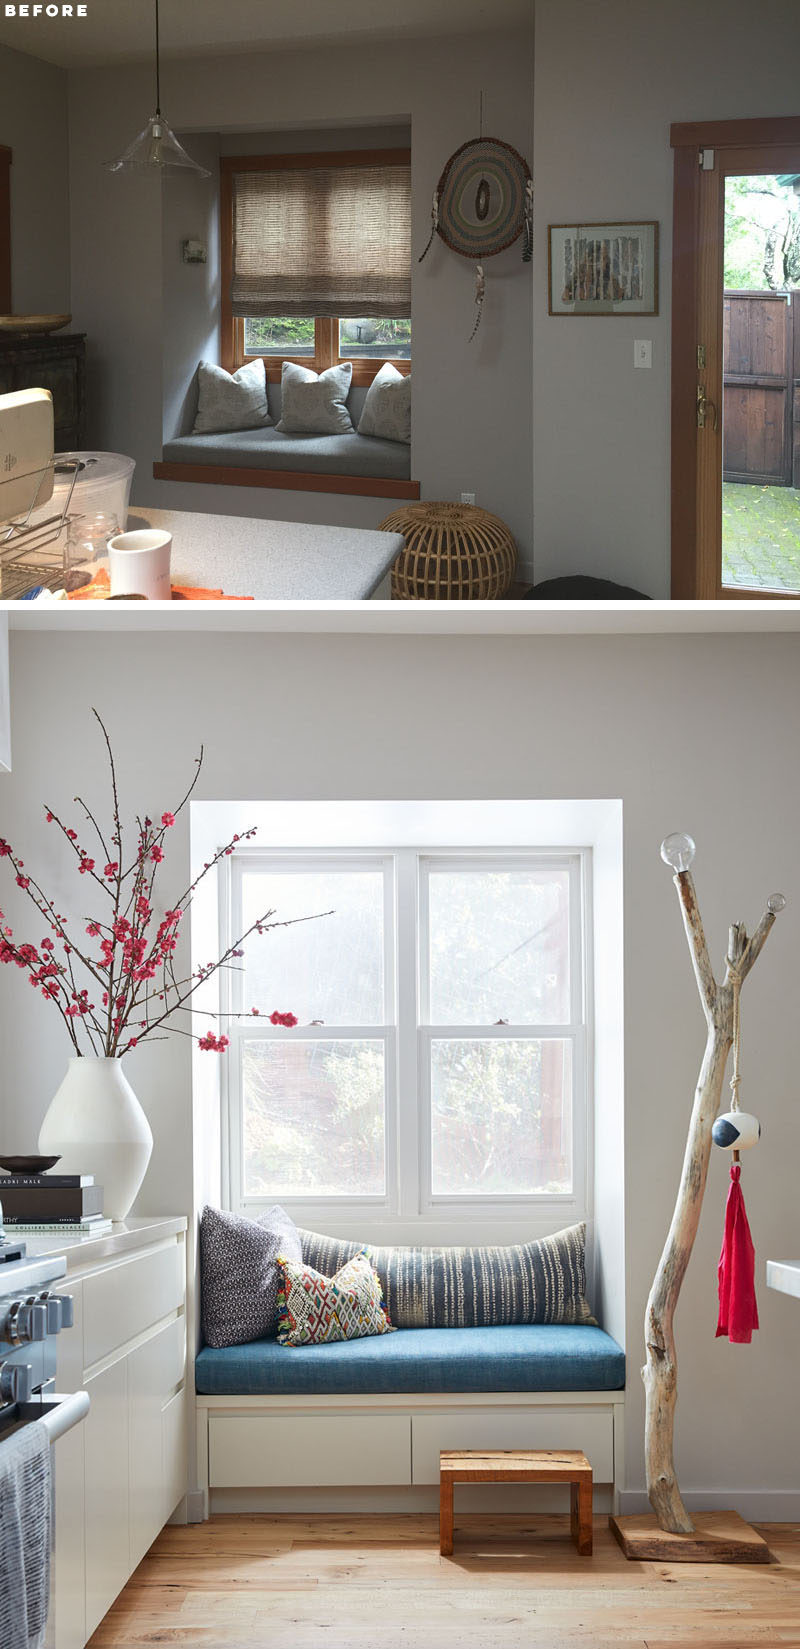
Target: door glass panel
<point>761,384</point>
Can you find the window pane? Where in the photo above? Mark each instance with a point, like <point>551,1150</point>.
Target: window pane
<point>330,969</point>
<point>501,1117</point>
<point>313,1117</point>
<point>499,946</point>
<point>271,336</point>
<point>375,340</point>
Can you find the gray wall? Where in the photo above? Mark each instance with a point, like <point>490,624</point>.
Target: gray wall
<point>610,78</point>
<point>472,402</point>
<point>33,123</point>
<point>548,717</point>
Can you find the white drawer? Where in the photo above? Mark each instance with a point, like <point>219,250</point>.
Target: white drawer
<point>589,1429</point>
<point>174,1452</point>
<point>123,1300</point>
<point>313,1450</point>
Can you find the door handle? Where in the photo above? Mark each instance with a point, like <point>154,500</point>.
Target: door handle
<point>704,406</point>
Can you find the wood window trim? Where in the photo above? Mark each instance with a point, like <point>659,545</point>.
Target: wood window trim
<point>5,229</point>
<point>232,350</point>
<point>228,475</point>
<point>693,578</point>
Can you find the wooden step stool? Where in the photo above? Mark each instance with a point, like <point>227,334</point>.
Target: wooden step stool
<point>518,1466</point>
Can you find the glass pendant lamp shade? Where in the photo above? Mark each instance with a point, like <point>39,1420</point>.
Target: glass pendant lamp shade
<point>156,149</point>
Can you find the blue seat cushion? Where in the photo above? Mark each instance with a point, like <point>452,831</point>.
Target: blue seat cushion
<point>517,1357</point>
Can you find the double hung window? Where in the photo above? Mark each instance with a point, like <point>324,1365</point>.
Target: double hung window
<point>440,1057</point>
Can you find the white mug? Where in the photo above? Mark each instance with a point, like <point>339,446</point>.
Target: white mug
<point>139,562</point>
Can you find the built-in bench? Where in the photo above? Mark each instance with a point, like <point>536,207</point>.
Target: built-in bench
<point>373,1414</point>
<point>310,463</point>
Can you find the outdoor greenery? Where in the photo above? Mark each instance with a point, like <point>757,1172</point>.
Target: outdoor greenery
<point>761,537</point>
<point>762,234</point>
<point>272,335</point>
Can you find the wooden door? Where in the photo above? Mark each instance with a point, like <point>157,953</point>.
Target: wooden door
<point>759,421</point>
<point>5,230</point>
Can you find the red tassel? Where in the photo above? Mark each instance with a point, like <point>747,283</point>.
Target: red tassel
<point>738,1312</point>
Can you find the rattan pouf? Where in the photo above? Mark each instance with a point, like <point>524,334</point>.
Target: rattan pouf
<point>453,552</point>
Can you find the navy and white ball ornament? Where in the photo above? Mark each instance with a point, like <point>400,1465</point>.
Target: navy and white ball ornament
<point>736,1130</point>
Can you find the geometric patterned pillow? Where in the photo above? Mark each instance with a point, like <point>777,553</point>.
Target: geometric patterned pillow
<point>314,1310</point>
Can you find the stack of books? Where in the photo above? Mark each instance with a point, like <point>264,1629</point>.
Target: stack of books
<point>53,1202</point>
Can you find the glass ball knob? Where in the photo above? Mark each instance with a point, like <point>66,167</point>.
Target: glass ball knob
<point>678,850</point>
<point>776,903</point>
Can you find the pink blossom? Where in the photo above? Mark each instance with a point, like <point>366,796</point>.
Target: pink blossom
<point>5,850</point>
<point>213,1044</point>
<point>156,853</point>
<point>73,835</point>
<point>93,930</point>
<point>167,819</point>
<point>287,1019</point>
<point>86,865</point>
<point>23,881</point>
<point>111,868</point>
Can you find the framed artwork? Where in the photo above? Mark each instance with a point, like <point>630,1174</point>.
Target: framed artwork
<point>603,268</point>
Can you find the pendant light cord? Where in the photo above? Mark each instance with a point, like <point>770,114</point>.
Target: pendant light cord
<point>158,66</point>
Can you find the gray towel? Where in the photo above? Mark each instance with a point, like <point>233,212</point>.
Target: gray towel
<point>25,1502</point>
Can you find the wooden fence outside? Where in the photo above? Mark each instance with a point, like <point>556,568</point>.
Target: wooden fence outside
<point>761,375</point>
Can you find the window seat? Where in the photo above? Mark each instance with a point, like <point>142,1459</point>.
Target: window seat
<point>526,1357</point>
<point>314,463</point>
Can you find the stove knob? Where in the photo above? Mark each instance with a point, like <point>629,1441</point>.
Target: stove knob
<point>53,1313</point>
<point>31,1323</point>
<point>67,1309</point>
<point>16,1382</point>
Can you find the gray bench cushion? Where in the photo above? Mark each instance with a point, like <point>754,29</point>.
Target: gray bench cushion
<point>271,449</point>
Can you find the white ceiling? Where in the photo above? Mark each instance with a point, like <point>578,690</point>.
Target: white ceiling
<point>440,618</point>
<point>122,30</point>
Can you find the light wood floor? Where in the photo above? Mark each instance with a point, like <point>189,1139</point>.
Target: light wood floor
<point>379,1583</point>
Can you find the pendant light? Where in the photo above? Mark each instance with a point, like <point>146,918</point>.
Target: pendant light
<point>156,149</point>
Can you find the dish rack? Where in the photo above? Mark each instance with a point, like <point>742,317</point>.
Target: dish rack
<point>35,552</point>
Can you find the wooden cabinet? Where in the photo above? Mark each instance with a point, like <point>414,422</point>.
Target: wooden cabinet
<point>56,361</point>
<point>120,1474</point>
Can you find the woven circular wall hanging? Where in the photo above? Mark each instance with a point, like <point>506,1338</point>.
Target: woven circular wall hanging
<point>453,552</point>
<point>482,203</point>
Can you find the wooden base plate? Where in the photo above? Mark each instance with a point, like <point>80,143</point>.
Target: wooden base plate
<point>719,1537</point>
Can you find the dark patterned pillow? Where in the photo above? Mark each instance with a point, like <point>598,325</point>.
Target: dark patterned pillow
<point>534,1282</point>
<point>239,1273</point>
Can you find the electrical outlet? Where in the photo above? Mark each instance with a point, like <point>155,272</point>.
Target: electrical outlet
<point>468,498</point>
<point>643,352</point>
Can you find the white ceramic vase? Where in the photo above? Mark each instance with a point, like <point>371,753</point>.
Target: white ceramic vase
<point>97,1126</point>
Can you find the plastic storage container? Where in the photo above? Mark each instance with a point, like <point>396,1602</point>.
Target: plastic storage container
<point>102,487</point>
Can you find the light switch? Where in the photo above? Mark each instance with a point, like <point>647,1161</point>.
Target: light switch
<point>643,352</point>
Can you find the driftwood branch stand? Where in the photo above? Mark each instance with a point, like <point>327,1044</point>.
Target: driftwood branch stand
<point>671,1534</point>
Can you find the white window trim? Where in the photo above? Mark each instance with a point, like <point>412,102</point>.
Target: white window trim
<point>407,1197</point>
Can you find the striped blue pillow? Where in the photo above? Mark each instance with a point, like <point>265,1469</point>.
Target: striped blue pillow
<point>534,1282</point>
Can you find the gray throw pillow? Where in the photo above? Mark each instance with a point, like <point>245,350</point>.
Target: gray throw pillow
<point>387,408</point>
<point>533,1282</point>
<point>239,1275</point>
<point>314,403</point>
<point>228,401</point>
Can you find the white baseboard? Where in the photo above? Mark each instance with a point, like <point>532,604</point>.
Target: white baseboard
<point>757,1505</point>
<point>521,1500</point>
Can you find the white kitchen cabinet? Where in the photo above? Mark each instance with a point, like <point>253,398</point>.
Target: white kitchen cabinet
<point>121,1473</point>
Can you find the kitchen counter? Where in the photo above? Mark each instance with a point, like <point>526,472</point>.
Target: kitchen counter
<point>273,560</point>
<point>89,1250</point>
<point>784,1275</point>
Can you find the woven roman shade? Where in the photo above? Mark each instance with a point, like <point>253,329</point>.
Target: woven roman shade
<point>323,240</point>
